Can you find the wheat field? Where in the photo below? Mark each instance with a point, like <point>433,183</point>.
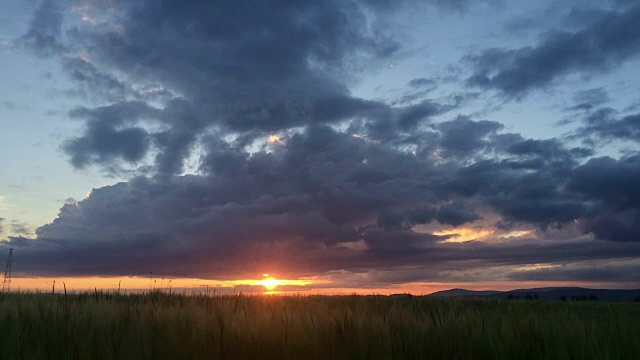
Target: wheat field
<point>162,326</point>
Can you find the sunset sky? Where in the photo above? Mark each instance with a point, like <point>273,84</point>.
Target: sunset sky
<point>369,146</point>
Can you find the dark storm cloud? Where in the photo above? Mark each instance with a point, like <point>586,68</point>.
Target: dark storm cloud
<point>456,214</point>
<point>247,69</point>
<point>104,143</point>
<point>530,187</point>
<point>463,136</point>
<point>550,149</point>
<point>609,180</point>
<point>286,66</point>
<point>607,41</point>
<point>213,80</point>
<point>309,206</point>
<point>16,242</point>
<point>399,244</point>
<point>613,184</point>
<point>109,134</point>
<point>410,117</point>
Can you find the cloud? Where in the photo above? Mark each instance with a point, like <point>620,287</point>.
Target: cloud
<point>19,228</point>
<point>626,271</point>
<point>12,106</point>
<point>604,43</point>
<point>296,175</point>
<point>456,214</point>
<point>463,136</point>
<point>324,201</point>
<point>588,99</point>
<point>45,29</point>
<point>611,185</point>
<point>109,134</point>
<point>604,125</point>
<point>423,83</point>
<point>241,69</point>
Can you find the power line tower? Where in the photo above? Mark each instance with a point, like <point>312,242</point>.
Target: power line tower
<point>6,283</point>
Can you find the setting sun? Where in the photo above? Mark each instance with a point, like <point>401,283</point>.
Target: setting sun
<point>269,282</point>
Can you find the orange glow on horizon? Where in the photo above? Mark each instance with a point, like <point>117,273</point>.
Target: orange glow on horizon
<point>146,283</point>
<point>272,286</point>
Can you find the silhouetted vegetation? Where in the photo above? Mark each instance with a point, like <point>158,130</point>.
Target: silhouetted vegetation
<point>158,325</point>
<point>590,297</point>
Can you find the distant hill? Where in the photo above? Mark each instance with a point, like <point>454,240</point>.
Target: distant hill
<point>550,293</point>
<point>463,293</point>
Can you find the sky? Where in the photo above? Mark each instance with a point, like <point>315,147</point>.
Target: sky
<point>339,146</point>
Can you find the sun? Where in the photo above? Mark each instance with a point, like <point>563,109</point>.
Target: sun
<point>269,282</point>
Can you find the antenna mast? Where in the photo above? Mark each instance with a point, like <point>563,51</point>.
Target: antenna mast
<point>6,283</point>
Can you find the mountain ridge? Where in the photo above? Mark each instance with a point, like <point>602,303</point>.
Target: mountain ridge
<point>547,293</point>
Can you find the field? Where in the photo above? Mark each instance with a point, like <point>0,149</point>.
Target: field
<point>161,326</point>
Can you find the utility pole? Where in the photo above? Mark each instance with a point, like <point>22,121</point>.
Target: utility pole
<point>6,283</point>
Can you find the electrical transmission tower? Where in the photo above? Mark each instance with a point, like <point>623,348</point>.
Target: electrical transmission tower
<point>6,283</point>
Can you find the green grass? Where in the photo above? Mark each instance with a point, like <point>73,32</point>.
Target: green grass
<point>161,326</point>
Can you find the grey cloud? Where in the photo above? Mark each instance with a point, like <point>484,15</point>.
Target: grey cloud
<point>603,44</point>
<point>456,214</point>
<point>13,106</point>
<point>305,206</point>
<point>16,242</point>
<point>45,29</point>
<point>523,24</point>
<point>104,144</point>
<point>109,134</point>
<point>463,136</point>
<point>19,228</point>
<point>550,149</point>
<point>588,99</point>
<point>399,243</point>
<point>422,83</point>
<point>613,184</point>
<point>610,180</point>
<point>322,200</point>
<point>98,84</point>
<point>589,273</point>
<point>524,189</point>
<point>285,66</point>
<point>410,117</point>
<point>604,124</point>
<point>624,3</point>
